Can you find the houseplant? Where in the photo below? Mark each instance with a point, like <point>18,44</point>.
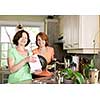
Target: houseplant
<point>74,76</point>
<point>87,68</point>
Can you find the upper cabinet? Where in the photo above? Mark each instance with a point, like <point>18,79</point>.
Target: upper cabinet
<point>71,31</point>
<point>81,33</point>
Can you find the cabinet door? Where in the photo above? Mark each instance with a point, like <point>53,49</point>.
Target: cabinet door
<point>89,31</point>
<point>75,31</point>
<point>71,31</point>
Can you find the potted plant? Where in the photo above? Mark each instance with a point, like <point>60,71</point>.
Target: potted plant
<point>87,68</point>
<point>72,77</point>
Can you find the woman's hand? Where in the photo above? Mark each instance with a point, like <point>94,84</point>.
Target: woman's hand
<point>30,59</point>
<point>38,71</point>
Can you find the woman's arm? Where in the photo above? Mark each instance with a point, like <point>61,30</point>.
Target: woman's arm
<point>52,53</point>
<point>14,67</point>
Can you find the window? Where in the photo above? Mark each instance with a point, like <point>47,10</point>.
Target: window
<point>7,33</point>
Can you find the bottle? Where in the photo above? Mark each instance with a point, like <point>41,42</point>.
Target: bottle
<point>68,62</point>
<point>59,78</point>
<point>65,63</point>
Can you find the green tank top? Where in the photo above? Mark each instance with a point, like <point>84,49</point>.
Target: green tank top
<point>23,73</point>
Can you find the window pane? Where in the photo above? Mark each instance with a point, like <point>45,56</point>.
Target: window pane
<point>4,63</point>
<point>4,46</point>
<point>33,31</point>
<point>6,32</point>
<point>4,54</point>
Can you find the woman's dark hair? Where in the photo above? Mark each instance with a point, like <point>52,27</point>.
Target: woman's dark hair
<point>43,37</point>
<point>18,35</point>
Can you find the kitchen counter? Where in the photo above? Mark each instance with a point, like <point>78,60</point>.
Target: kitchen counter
<point>44,80</point>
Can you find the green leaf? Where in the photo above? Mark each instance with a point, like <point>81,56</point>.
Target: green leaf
<point>79,79</point>
<point>87,69</point>
<point>68,73</point>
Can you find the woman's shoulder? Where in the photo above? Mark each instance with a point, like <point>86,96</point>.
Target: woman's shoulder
<point>50,48</point>
<point>11,52</point>
<point>12,49</point>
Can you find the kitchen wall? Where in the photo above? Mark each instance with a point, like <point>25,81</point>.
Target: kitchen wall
<point>23,17</point>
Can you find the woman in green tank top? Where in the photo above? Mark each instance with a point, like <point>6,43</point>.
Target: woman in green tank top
<point>18,59</point>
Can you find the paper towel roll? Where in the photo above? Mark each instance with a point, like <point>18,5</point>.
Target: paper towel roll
<point>75,59</point>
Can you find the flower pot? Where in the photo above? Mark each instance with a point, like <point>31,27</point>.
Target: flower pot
<point>93,76</point>
<point>68,81</point>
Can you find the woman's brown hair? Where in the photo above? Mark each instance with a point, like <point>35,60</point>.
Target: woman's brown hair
<point>43,37</point>
<point>18,35</point>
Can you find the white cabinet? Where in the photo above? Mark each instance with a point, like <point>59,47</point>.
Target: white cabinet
<point>89,31</point>
<point>79,33</point>
<point>71,31</point>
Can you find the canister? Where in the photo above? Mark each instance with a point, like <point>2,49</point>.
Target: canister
<point>93,76</point>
